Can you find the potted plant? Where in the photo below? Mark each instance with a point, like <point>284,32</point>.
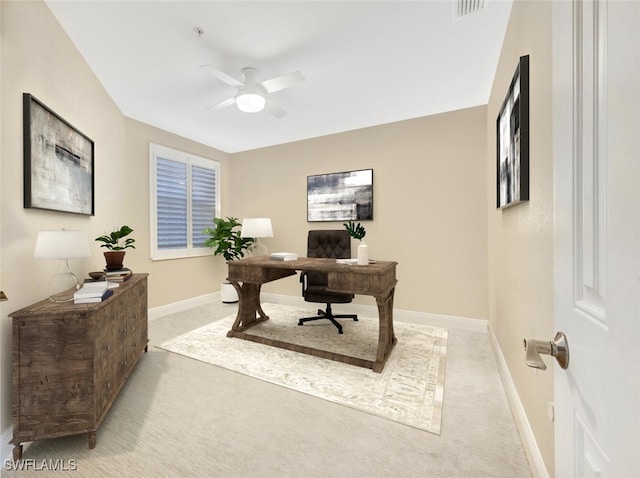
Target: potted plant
<point>358,232</point>
<point>115,242</point>
<point>225,240</point>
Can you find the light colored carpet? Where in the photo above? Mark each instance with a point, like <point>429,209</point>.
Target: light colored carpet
<point>409,390</point>
<point>181,417</point>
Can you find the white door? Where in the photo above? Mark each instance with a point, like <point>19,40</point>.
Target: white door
<point>596,97</point>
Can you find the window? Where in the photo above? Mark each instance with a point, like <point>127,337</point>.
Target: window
<point>185,198</point>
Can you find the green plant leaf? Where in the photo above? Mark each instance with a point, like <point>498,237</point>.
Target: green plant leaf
<point>225,239</point>
<point>355,231</point>
<point>112,240</point>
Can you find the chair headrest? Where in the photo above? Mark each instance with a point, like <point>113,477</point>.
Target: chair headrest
<point>329,243</point>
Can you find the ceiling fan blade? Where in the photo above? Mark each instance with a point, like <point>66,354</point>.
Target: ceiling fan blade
<point>281,82</point>
<point>223,104</point>
<point>273,109</point>
<point>222,76</point>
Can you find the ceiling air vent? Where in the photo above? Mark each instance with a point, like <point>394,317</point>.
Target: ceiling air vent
<point>464,8</point>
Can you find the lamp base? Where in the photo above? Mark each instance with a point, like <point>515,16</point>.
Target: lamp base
<point>259,249</point>
<point>60,285</point>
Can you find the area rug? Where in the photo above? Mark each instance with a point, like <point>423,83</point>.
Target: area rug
<point>409,390</point>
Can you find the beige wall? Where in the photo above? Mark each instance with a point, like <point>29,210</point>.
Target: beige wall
<point>429,204</point>
<point>37,58</point>
<point>521,238</point>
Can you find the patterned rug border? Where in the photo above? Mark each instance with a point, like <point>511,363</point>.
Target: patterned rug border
<point>410,389</point>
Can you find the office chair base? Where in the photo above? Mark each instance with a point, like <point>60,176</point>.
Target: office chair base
<point>329,316</point>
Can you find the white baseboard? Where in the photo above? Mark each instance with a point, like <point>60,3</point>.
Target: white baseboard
<point>439,320</point>
<point>399,315</point>
<point>534,456</point>
<point>182,305</point>
<point>412,317</point>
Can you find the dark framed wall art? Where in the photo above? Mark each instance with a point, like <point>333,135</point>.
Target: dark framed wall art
<point>346,196</point>
<point>58,162</point>
<point>512,146</point>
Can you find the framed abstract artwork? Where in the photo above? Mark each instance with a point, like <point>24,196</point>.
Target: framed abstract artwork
<point>58,162</point>
<point>346,196</point>
<point>512,170</point>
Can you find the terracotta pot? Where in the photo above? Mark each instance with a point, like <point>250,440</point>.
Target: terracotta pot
<point>114,259</point>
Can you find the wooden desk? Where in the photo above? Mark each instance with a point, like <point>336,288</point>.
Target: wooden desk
<point>377,280</point>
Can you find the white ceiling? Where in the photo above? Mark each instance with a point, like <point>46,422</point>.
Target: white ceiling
<point>365,62</point>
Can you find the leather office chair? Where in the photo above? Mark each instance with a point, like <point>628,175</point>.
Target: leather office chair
<point>333,244</point>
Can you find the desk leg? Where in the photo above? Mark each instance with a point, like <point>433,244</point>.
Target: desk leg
<point>386,336</point>
<point>248,307</point>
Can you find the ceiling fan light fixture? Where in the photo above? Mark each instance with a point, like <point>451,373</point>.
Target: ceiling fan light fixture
<point>250,102</point>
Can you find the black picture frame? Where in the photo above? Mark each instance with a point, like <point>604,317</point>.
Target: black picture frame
<point>344,196</point>
<point>58,162</point>
<point>512,141</point>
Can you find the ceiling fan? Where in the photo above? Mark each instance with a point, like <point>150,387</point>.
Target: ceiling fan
<point>252,95</point>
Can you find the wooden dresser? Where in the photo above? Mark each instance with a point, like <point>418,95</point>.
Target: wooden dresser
<point>71,360</point>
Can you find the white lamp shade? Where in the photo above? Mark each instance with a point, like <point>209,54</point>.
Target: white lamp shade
<point>250,102</point>
<point>61,245</point>
<point>256,227</point>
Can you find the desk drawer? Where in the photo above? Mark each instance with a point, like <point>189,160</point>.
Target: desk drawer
<point>258,275</point>
<point>364,284</point>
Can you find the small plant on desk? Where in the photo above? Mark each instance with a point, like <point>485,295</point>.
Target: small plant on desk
<point>357,232</point>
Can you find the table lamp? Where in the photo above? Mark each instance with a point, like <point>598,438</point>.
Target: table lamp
<point>62,245</point>
<point>257,227</point>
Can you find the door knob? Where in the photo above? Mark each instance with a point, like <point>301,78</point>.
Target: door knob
<point>558,348</point>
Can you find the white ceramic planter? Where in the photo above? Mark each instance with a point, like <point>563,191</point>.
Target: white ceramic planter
<point>228,293</point>
<point>363,255</point>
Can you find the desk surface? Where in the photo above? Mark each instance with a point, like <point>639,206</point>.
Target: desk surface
<point>313,264</point>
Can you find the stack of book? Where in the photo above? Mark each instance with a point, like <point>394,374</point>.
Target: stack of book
<point>110,285</point>
<point>92,292</point>
<point>284,256</point>
<point>118,275</point>
<point>349,262</point>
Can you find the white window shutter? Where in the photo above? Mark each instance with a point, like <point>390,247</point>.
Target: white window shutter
<point>203,202</point>
<point>184,199</point>
<point>172,204</point>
